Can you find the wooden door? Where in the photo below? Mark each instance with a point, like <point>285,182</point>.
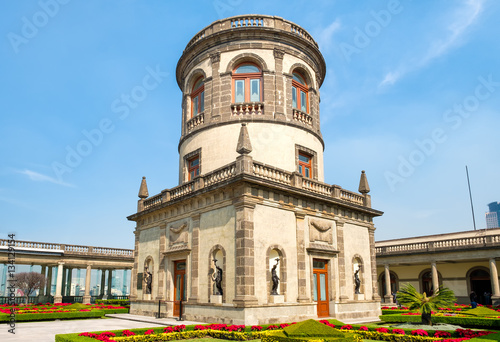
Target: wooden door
<point>320,286</point>
<point>179,284</point>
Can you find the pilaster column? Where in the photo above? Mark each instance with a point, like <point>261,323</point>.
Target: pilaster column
<point>435,279</point>
<point>48,285</point>
<point>388,295</point>
<point>373,263</point>
<point>161,267</point>
<point>342,276</point>
<point>494,280</point>
<point>244,253</point>
<point>110,282</point>
<point>279,86</point>
<point>3,284</point>
<point>195,250</point>
<point>58,296</point>
<point>134,271</point>
<point>41,292</point>
<point>214,97</point>
<point>103,282</point>
<point>303,296</point>
<point>86,297</point>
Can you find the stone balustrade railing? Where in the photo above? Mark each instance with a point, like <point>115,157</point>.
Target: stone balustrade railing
<point>220,174</point>
<point>68,249</point>
<point>258,170</point>
<point>442,245</point>
<point>250,108</point>
<point>302,117</point>
<point>352,197</point>
<point>196,121</point>
<point>264,171</point>
<point>315,186</point>
<point>251,21</point>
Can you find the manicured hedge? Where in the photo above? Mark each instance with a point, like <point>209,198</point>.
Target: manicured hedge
<point>113,301</point>
<point>475,322</point>
<point>53,315</point>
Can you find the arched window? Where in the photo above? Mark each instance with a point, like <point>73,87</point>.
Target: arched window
<point>247,83</point>
<point>198,97</point>
<point>300,93</point>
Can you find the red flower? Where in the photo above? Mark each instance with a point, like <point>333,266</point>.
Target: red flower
<point>382,330</point>
<point>346,327</point>
<point>419,332</point>
<point>149,332</point>
<point>256,328</point>
<point>398,331</point>
<point>363,328</point>
<point>127,333</point>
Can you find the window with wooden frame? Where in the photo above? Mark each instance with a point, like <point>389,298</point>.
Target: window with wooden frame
<point>193,167</point>
<point>247,83</point>
<point>198,97</point>
<point>300,92</point>
<point>305,164</point>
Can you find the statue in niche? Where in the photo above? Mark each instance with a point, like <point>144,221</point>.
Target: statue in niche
<point>275,279</point>
<point>217,278</point>
<point>148,279</point>
<point>357,281</point>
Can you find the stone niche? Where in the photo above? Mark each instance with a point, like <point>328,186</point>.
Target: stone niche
<point>320,230</point>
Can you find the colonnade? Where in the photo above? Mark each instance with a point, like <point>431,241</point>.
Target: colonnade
<point>435,280</point>
<point>64,280</point>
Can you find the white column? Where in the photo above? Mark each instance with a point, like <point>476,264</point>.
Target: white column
<point>86,297</point>
<point>435,279</point>
<point>388,294</point>
<point>58,296</point>
<point>494,279</point>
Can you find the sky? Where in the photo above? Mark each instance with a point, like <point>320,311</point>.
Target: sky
<point>411,95</point>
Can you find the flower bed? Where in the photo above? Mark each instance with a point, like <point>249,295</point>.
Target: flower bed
<point>462,320</point>
<point>48,311</point>
<point>267,333</point>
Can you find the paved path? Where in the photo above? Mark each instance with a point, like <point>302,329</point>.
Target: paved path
<point>46,331</point>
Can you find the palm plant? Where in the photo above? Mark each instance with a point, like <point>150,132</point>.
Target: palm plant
<point>408,296</point>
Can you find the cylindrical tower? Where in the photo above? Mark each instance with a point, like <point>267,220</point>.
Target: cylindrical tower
<point>258,69</point>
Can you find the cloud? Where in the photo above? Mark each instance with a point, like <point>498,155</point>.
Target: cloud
<point>325,35</point>
<point>463,17</point>
<point>38,177</point>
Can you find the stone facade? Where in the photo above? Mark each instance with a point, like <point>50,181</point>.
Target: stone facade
<point>245,201</point>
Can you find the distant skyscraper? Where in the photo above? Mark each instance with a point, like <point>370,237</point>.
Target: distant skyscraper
<point>493,216</point>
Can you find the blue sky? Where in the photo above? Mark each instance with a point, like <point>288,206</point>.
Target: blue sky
<point>411,95</point>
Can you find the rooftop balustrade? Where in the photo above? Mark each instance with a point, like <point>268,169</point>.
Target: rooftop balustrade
<point>66,249</point>
<point>259,171</point>
<point>438,246</point>
<point>250,22</point>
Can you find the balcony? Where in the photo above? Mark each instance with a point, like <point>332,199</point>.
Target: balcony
<point>198,120</point>
<point>247,108</point>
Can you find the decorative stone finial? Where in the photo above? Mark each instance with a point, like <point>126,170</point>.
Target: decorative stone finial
<point>143,190</point>
<point>244,146</point>
<point>364,188</point>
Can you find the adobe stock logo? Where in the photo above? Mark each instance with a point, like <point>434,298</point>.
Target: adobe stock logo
<point>30,26</point>
<point>454,118</point>
<point>363,37</point>
<point>123,106</point>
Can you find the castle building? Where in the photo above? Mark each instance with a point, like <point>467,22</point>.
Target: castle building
<point>253,234</point>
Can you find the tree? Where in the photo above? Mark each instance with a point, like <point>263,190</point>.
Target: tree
<point>408,296</point>
<point>28,282</point>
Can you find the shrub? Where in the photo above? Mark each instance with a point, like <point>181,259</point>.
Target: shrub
<point>398,331</point>
<point>419,332</point>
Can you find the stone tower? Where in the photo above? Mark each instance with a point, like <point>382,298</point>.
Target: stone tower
<point>251,191</point>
